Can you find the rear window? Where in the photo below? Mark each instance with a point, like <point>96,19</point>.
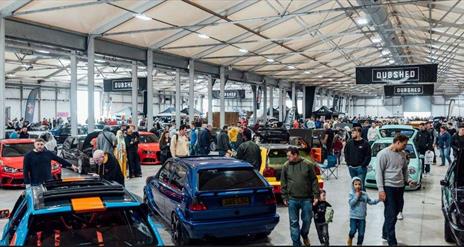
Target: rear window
<point>227,179</point>
<point>17,150</point>
<point>377,147</point>
<point>112,227</point>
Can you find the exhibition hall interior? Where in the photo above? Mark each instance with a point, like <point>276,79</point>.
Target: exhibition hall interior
<point>231,122</point>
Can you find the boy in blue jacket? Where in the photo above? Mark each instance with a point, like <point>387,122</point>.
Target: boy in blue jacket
<point>358,201</point>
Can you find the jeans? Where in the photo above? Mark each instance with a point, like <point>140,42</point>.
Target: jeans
<point>393,204</point>
<point>323,233</point>
<point>359,226</point>
<point>360,172</point>
<point>445,154</point>
<point>234,145</point>
<point>295,206</point>
<point>134,165</point>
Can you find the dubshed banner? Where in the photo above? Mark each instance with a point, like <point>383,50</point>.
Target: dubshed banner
<point>409,90</point>
<point>420,73</point>
<point>30,105</point>
<point>230,94</point>
<point>123,84</point>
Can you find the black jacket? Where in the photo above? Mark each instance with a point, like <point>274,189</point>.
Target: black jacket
<point>319,211</point>
<point>132,142</point>
<point>251,153</point>
<point>223,143</point>
<point>357,153</point>
<point>111,170</point>
<point>37,166</point>
<point>457,143</point>
<point>423,141</point>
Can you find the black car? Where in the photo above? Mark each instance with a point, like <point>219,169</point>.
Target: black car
<point>452,198</point>
<point>64,131</point>
<point>77,150</point>
<point>272,135</point>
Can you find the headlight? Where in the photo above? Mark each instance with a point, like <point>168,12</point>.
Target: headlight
<point>11,169</point>
<point>55,166</point>
<point>369,168</point>
<point>411,170</point>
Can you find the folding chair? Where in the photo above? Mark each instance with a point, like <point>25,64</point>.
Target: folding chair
<point>330,168</point>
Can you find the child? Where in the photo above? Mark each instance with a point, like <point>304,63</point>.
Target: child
<point>428,160</point>
<point>323,214</point>
<point>358,201</point>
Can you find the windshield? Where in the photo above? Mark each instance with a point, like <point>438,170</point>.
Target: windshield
<point>16,150</point>
<point>226,179</point>
<point>393,132</point>
<point>377,147</point>
<point>149,138</point>
<point>112,227</point>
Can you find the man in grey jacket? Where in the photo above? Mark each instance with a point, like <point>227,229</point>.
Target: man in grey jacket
<point>106,140</point>
<point>391,177</point>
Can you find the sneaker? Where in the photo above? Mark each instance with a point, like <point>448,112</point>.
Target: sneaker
<point>349,242</point>
<point>306,242</point>
<point>400,216</point>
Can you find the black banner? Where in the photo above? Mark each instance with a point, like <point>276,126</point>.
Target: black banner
<point>419,73</point>
<point>409,90</point>
<point>310,92</point>
<point>30,105</point>
<point>230,94</point>
<point>123,84</point>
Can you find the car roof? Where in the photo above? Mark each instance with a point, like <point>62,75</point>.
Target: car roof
<point>389,140</point>
<point>276,145</point>
<point>145,133</point>
<point>397,126</point>
<point>16,141</point>
<point>56,196</point>
<point>213,162</point>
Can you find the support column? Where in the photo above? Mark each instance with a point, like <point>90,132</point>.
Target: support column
<point>294,95</point>
<point>149,89</point>
<point>210,100</point>
<point>134,93</point>
<point>202,97</point>
<point>264,103</point>
<point>271,101</point>
<point>90,84</point>
<point>39,104</point>
<point>254,89</point>
<point>222,118</point>
<point>21,99</point>
<point>191,99</point>
<point>303,105</point>
<point>178,99</point>
<point>281,99</point>
<point>56,102</point>
<point>73,94</point>
<point>2,78</point>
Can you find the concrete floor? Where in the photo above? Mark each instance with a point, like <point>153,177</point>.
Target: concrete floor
<point>422,224</point>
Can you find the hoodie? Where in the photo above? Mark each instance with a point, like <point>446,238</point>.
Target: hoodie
<point>358,205</point>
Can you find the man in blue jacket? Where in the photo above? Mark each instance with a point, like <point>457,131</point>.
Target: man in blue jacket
<point>37,164</point>
<point>443,142</point>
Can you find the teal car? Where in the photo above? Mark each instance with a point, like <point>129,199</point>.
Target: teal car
<point>385,138</point>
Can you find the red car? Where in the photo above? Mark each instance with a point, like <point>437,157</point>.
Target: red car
<point>149,150</point>
<point>12,153</point>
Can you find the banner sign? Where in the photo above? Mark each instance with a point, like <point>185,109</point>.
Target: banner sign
<point>123,84</point>
<point>409,90</point>
<point>397,74</point>
<point>230,94</point>
<point>30,105</point>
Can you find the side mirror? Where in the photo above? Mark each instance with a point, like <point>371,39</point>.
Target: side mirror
<point>4,214</point>
<point>444,182</point>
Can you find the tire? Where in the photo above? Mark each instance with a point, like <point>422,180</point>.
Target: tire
<point>448,234</point>
<point>179,235</point>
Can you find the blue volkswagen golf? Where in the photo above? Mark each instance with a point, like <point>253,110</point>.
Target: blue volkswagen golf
<point>202,197</point>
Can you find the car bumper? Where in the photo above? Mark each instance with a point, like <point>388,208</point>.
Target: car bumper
<point>230,228</point>
<point>13,180</point>
<point>149,159</point>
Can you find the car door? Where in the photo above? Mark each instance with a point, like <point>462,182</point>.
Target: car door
<point>11,229</point>
<point>159,187</point>
<point>447,190</point>
<point>175,190</point>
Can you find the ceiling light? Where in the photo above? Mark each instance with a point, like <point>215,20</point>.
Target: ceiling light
<point>43,51</point>
<point>11,75</point>
<point>270,60</point>
<point>307,72</point>
<point>142,17</point>
<point>385,52</point>
<point>100,61</point>
<point>376,40</point>
<point>243,50</point>
<point>320,76</point>
<point>291,67</point>
<point>391,61</point>
<point>203,36</point>
<point>362,21</point>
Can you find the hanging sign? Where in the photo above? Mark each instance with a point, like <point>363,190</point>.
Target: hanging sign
<point>230,94</point>
<point>409,90</point>
<point>123,84</point>
<point>397,74</point>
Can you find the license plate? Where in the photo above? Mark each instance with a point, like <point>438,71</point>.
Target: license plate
<point>235,201</point>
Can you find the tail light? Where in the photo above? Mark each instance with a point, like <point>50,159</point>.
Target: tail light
<point>197,206</point>
<point>317,170</point>
<point>270,200</point>
<point>269,172</point>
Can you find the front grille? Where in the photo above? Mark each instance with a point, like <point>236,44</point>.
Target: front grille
<point>149,160</point>
<point>158,154</point>
<point>17,181</point>
<point>371,181</point>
